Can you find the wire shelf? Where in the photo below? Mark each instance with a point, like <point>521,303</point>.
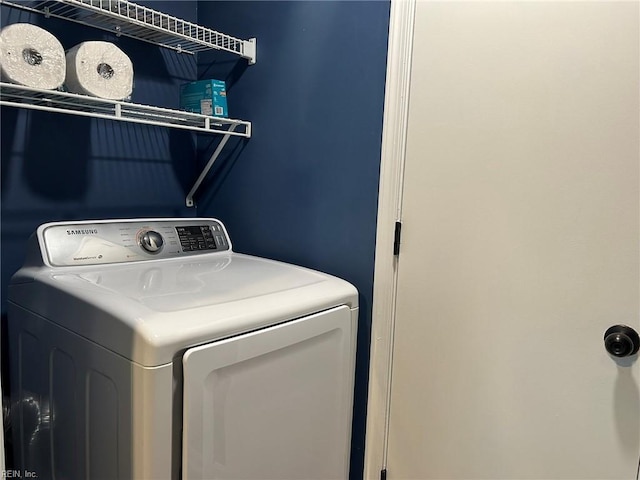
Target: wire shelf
<point>83,105</point>
<point>132,20</point>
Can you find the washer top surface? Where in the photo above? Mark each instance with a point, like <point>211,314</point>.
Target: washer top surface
<point>148,289</point>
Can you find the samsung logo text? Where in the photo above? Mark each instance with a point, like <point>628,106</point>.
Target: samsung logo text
<point>88,231</point>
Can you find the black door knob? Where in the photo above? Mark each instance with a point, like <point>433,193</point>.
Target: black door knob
<point>621,341</point>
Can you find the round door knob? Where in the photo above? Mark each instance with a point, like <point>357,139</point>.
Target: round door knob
<point>621,341</point>
<point>151,241</point>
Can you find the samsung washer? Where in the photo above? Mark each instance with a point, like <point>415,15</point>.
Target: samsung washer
<point>148,349</point>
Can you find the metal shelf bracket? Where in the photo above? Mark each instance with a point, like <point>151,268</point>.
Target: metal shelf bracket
<point>208,166</point>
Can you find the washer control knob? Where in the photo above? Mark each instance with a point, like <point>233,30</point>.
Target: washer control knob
<point>151,241</point>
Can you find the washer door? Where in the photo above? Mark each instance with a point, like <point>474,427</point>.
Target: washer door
<point>272,404</point>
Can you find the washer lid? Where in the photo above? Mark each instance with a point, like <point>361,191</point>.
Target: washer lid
<point>149,311</point>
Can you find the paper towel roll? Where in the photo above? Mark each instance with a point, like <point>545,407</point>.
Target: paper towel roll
<point>31,56</point>
<point>99,69</point>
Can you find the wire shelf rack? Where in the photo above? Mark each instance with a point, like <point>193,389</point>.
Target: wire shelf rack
<point>83,105</point>
<point>136,21</point>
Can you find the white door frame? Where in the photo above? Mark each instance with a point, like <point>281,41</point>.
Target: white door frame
<point>394,136</point>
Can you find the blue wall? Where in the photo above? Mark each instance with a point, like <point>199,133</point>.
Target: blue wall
<point>304,188</point>
<point>58,167</point>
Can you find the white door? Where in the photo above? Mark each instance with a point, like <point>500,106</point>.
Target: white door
<point>274,404</point>
<point>520,244</point>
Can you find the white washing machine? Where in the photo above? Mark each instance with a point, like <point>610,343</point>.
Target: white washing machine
<point>148,349</point>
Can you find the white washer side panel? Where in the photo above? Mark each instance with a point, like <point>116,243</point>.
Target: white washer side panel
<point>272,404</point>
<point>81,412</point>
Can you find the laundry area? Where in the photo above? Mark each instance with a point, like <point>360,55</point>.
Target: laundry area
<point>243,160</point>
<point>287,240</point>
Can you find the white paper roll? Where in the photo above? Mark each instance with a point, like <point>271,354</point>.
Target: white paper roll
<point>99,69</point>
<point>31,56</point>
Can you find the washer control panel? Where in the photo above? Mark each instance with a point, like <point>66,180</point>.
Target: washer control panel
<point>118,241</point>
